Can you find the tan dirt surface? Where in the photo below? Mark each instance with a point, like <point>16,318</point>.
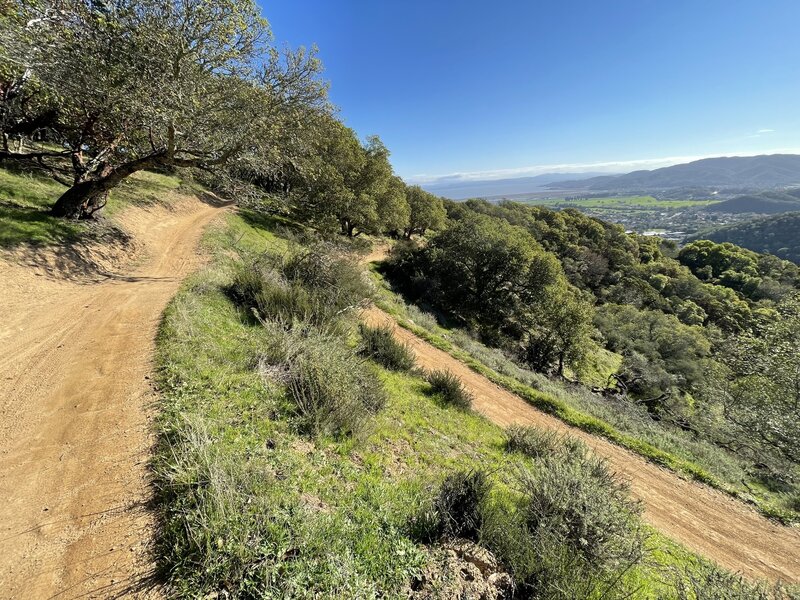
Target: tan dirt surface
<point>76,407</point>
<point>702,519</point>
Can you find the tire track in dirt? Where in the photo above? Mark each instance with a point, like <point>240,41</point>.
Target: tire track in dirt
<point>704,520</point>
<point>75,433</point>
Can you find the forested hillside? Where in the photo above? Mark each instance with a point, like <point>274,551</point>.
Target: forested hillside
<point>778,235</point>
<point>698,330</point>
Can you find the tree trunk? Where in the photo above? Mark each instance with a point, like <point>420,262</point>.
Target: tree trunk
<point>85,197</point>
<point>81,200</point>
<point>347,228</point>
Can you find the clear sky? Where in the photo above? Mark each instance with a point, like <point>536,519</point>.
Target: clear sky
<point>511,88</point>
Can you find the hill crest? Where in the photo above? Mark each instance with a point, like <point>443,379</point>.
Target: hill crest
<point>730,172</point>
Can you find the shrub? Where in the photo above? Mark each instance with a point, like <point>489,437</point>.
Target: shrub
<point>313,286</point>
<point>380,345</point>
<point>701,580</point>
<point>456,510</point>
<point>460,504</point>
<point>259,287</point>
<point>450,389</point>
<point>337,279</point>
<point>539,443</point>
<point>332,390</point>
<point>580,502</point>
<point>572,534</point>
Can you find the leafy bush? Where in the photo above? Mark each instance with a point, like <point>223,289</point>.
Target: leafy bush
<point>450,389</point>
<point>380,345</point>
<point>313,285</point>
<point>540,443</point>
<point>580,502</point>
<point>332,390</point>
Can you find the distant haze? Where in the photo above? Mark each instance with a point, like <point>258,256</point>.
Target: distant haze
<point>754,173</point>
<point>459,189</point>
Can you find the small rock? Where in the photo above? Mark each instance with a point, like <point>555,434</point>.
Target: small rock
<point>503,583</point>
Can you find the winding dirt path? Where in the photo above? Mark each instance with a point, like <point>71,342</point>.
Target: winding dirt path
<point>75,398</point>
<point>704,520</point>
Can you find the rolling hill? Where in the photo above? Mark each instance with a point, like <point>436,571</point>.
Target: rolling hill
<point>744,172</point>
<point>778,235</point>
<point>766,203</point>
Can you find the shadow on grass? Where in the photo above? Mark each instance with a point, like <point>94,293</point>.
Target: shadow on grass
<point>34,226</point>
<point>269,222</point>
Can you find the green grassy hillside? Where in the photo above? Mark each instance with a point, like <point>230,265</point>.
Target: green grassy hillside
<point>255,502</point>
<point>635,203</point>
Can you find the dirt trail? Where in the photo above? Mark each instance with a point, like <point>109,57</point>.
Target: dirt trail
<point>75,357</point>
<point>702,519</point>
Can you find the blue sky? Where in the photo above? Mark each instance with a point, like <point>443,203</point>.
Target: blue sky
<point>513,88</point>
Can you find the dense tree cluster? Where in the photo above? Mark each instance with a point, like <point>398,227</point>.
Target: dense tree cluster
<point>497,279</point>
<point>758,385</point>
<point>346,185</point>
<point>94,92</point>
<point>699,330</point>
<point>779,235</point>
<point>755,276</point>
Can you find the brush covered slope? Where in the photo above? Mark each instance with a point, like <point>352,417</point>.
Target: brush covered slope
<point>290,467</point>
<point>778,235</point>
<point>764,203</point>
<point>665,349</point>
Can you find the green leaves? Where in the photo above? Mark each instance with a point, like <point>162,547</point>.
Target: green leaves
<point>193,83</point>
<point>426,212</point>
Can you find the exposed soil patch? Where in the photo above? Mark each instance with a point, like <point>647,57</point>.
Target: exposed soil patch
<point>76,343</point>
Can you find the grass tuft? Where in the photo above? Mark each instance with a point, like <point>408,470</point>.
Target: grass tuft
<point>449,389</point>
<point>379,344</point>
<point>333,391</point>
<point>541,443</point>
<point>314,285</point>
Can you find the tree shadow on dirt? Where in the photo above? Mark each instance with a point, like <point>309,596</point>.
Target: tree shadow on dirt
<point>83,258</point>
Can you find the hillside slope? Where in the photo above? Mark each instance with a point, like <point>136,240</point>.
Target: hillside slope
<point>254,501</point>
<point>705,521</point>
<point>763,203</point>
<point>753,172</point>
<point>778,235</point>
